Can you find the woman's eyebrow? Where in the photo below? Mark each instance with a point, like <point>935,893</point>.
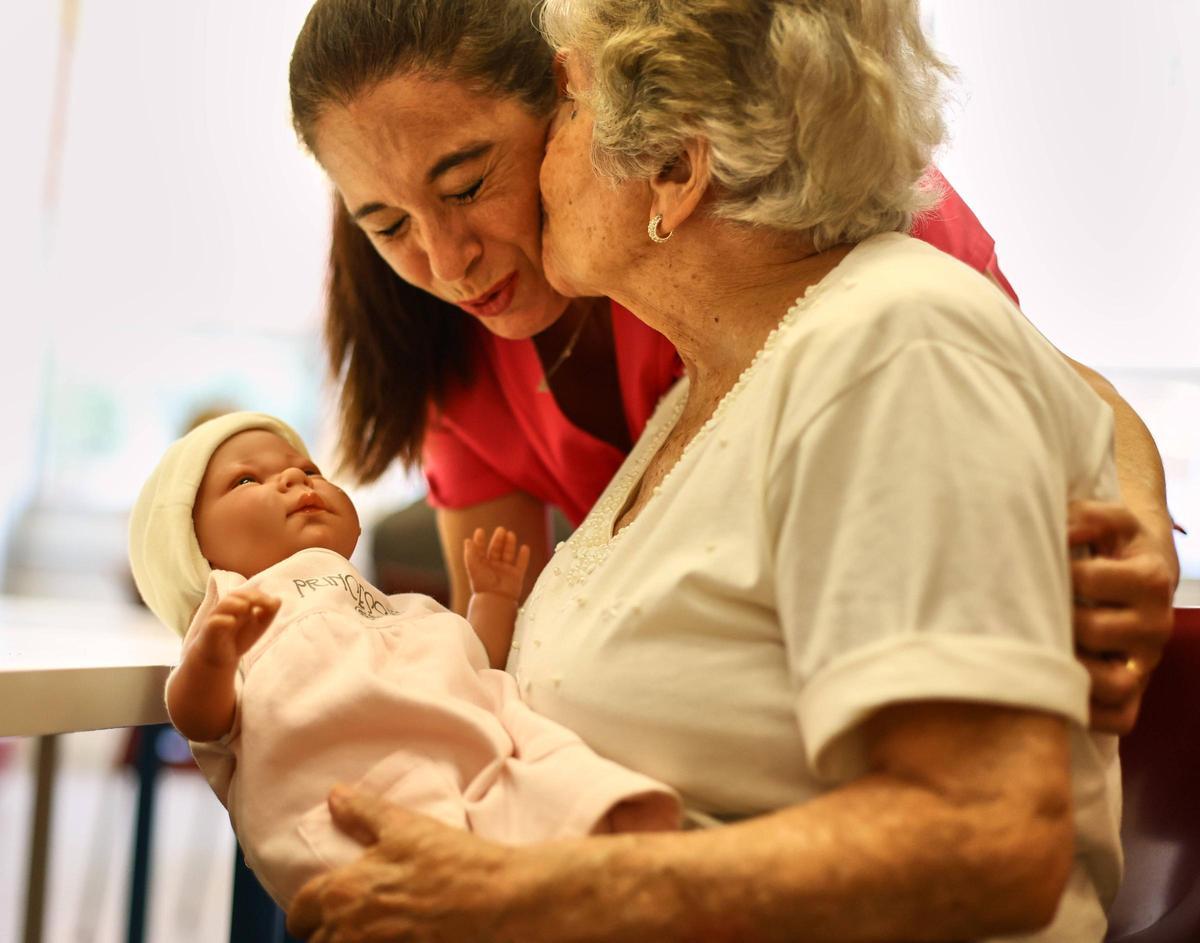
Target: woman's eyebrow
<point>444,164</point>
<point>366,210</point>
<point>454,158</point>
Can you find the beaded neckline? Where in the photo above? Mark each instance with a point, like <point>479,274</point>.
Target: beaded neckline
<point>591,544</point>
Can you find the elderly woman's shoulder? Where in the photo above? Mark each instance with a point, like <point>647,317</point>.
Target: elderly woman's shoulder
<point>894,289</point>
<point>898,322</point>
<point>894,296</point>
<point>898,271</point>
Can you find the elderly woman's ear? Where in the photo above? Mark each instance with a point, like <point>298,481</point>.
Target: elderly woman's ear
<point>678,189</point>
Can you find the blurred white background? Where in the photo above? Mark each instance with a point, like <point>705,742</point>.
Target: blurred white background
<point>164,247</point>
<point>165,240</point>
<point>165,253</point>
<point>1075,137</point>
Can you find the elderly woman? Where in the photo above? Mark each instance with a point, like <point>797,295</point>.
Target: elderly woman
<point>523,399</point>
<point>826,596</point>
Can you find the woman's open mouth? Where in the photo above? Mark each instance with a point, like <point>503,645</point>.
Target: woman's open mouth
<point>494,301</point>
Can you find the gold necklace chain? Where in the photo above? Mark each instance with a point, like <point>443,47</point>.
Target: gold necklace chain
<point>564,354</point>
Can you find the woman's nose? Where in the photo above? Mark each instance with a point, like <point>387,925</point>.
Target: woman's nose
<point>291,476</point>
<point>452,250</point>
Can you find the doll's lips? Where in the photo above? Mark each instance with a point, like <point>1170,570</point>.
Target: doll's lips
<point>309,502</point>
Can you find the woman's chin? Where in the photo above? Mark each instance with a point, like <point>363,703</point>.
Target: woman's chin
<point>521,325</point>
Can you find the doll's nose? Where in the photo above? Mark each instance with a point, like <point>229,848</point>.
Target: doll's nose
<point>292,476</point>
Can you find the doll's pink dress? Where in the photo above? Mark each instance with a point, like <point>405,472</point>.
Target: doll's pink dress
<point>393,694</point>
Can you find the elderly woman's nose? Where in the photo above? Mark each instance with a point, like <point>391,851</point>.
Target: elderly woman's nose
<point>452,251</point>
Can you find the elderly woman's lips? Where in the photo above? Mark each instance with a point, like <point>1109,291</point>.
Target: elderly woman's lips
<point>493,302</point>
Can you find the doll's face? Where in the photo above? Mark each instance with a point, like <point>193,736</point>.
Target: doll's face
<point>261,501</point>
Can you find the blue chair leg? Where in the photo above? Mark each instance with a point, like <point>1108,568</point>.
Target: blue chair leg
<point>147,762</point>
<point>255,918</point>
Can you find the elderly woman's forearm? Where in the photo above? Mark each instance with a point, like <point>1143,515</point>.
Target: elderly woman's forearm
<point>888,857</point>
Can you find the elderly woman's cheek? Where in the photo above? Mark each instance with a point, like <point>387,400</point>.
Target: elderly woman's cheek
<point>547,180</point>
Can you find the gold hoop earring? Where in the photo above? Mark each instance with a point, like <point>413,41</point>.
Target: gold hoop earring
<point>652,229</point>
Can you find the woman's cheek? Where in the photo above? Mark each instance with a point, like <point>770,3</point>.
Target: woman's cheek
<point>409,263</point>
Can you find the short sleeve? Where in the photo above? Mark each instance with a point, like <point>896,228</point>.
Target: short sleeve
<point>921,549</point>
<point>456,474</point>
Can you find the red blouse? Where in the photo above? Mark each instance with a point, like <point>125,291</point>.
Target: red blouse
<point>500,435</point>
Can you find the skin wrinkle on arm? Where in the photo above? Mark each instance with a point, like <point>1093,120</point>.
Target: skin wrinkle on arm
<point>966,819</point>
<point>961,829</point>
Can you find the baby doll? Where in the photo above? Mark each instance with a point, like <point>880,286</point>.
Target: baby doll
<point>297,674</point>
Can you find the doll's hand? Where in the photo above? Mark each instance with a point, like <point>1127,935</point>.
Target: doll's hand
<point>496,565</point>
<point>236,623</point>
<point>1123,612</point>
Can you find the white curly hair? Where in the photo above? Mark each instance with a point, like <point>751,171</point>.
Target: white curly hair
<point>821,115</point>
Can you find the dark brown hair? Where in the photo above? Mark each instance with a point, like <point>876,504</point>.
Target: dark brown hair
<point>395,349</point>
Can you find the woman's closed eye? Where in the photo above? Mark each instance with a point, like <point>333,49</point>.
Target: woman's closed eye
<point>392,229</point>
<point>468,195</point>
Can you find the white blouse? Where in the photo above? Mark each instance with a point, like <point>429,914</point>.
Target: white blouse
<point>875,513</point>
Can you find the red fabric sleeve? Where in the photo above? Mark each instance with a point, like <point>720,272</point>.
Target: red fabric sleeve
<point>456,474</point>
<point>498,434</point>
<point>953,228</point>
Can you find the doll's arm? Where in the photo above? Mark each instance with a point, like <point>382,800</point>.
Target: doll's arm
<point>496,571</point>
<point>200,693</point>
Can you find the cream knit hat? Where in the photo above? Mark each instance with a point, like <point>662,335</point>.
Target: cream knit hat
<point>168,567</point>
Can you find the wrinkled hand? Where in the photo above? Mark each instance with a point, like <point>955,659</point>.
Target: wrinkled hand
<point>1123,611</point>
<point>236,623</point>
<point>496,565</point>
<point>419,881</point>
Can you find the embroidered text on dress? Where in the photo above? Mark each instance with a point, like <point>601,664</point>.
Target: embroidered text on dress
<point>365,602</point>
